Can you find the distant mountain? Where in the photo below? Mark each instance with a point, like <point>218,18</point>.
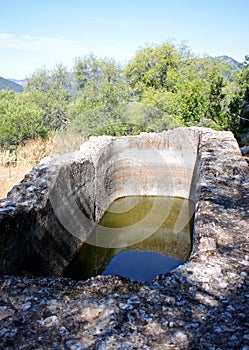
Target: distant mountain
<point>235,64</point>
<point>19,82</point>
<point>6,84</point>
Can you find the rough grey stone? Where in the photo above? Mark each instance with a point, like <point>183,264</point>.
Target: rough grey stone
<point>202,304</point>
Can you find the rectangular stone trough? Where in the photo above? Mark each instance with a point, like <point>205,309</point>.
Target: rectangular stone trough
<point>49,215</point>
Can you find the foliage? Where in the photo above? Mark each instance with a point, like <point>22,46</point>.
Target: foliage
<point>21,119</point>
<point>103,90</point>
<point>51,90</point>
<point>189,90</point>
<point>162,87</point>
<point>239,105</point>
<point>147,117</point>
<point>192,100</point>
<point>154,67</point>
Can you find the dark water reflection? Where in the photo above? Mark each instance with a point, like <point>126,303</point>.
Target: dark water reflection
<point>138,237</point>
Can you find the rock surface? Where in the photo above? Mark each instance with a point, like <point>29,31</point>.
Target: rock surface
<point>203,304</point>
<point>49,215</point>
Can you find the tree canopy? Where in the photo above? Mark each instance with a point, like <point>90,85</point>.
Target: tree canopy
<point>163,86</point>
<point>21,119</point>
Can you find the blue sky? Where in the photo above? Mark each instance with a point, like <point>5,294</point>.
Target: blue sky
<point>37,33</point>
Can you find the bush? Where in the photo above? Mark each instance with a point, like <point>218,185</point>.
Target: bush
<point>21,119</point>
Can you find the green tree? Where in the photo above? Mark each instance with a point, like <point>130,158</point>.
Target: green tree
<point>102,90</point>
<point>239,105</point>
<point>21,119</point>
<point>192,99</point>
<point>217,111</point>
<point>147,117</point>
<point>186,88</point>
<point>165,102</point>
<point>203,81</point>
<point>155,67</point>
<point>51,91</point>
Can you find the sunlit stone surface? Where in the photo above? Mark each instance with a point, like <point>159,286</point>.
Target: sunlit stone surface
<point>203,304</point>
<point>47,217</point>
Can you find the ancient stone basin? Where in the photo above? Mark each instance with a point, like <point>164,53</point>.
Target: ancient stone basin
<point>49,215</point>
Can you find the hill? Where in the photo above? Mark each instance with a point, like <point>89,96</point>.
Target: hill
<point>235,64</point>
<point>19,82</point>
<point>6,84</point>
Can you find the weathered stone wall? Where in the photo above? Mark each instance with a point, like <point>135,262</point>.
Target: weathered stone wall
<point>202,304</point>
<point>148,164</point>
<point>46,218</point>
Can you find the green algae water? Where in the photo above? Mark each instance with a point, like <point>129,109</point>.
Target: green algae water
<point>138,237</point>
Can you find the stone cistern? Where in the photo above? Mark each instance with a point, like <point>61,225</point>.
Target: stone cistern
<point>47,217</point>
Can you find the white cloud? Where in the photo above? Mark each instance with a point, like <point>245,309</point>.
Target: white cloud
<point>60,47</point>
<point>21,54</point>
<point>39,44</point>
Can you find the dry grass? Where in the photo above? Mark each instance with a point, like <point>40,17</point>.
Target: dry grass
<point>14,165</point>
<point>34,150</point>
<point>11,176</point>
<point>66,143</point>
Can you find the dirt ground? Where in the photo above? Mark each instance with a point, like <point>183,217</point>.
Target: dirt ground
<point>11,176</point>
